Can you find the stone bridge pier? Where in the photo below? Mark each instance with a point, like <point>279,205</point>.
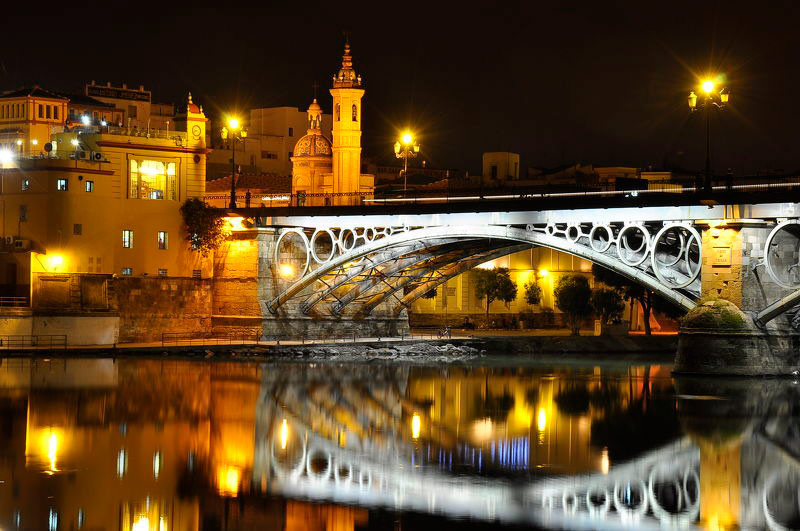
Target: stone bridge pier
<point>754,265</point>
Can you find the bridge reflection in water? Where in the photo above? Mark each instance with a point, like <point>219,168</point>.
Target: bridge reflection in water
<point>104,444</point>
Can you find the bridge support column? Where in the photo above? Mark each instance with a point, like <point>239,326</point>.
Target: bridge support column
<point>289,322</point>
<point>721,336</point>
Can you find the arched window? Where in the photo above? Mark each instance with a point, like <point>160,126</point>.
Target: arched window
<point>338,112</point>
<point>355,113</point>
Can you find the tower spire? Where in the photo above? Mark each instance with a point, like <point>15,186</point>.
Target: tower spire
<point>347,77</point>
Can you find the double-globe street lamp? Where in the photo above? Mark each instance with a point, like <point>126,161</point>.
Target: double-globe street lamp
<point>236,133</point>
<point>711,100</point>
<point>406,148</point>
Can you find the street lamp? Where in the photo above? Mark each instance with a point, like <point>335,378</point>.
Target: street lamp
<point>709,101</point>
<point>405,149</point>
<point>236,133</point>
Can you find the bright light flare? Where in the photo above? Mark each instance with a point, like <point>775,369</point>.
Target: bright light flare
<point>52,451</point>
<point>541,419</point>
<point>233,123</point>
<point>236,223</point>
<point>416,425</point>
<point>604,462</point>
<point>407,138</point>
<point>284,434</point>
<point>708,86</point>
<point>287,270</point>
<point>85,120</point>
<point>543,272</point>
<point>55,261</point>
<point>228,480</point>
<point>141,524</point>
<point>75,142</point>
<point>6,156</point>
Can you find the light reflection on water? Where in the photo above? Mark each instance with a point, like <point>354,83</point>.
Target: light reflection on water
<point>137,444</point>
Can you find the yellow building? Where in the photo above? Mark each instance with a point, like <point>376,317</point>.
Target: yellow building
<point>28,117</point>
<point>345,152</point>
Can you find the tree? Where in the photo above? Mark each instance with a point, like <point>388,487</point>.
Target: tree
<point>533,293</point>
<point>633,291</point>
<point>205,226</point>
<point>494,284</point>
<point>607,303</point>
<point>572,294</point>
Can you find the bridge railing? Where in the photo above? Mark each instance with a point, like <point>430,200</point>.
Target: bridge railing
<point>51,341</point>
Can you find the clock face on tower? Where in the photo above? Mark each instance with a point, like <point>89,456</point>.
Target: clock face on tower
<point>196,131</point>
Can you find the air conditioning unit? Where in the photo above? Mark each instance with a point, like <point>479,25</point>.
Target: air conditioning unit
<point>22,245</point>
<point>82,155</point>
<point>9,240</point>
<point>96,156</point>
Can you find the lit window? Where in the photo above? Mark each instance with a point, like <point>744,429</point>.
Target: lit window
<point>162,272</point>
<point>127,271</point>
<point>41,111</point>
<point>151,179</point>
<point>89,186</point>
<point>355,113</point>
<point>23,212</point>
<point>77,229</point>
<point>127,239</point>
<point>62,185</point>
<point>162,240</point>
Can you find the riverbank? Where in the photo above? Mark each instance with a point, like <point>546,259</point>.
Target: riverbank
<point>457,349</point>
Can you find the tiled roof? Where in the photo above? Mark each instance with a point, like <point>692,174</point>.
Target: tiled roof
<point>34,91</point>
<point>263,183</point>
<point>80,99</point>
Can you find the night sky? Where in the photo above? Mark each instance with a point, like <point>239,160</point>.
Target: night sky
<point>602,83</point>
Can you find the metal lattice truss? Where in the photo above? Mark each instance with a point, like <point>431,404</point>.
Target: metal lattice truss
<point>350,271</point>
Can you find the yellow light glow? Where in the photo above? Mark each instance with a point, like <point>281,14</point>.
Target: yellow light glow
<point>35,142</point>
<point>228,480</point>
<point>55,261</point>
<point>19,142</point>
<point>141,524</point>
<point>543,272</point>
<point>284,434</point>
<point>6,156</point>
<point>708,86</point>
<point>407,138</point>
<point>541,419</point>
<point>416,424</point>
<point>52,451</point>
<point>604,463</point>
<point>482,429</point>
<point>343,439</point>
<point>236,223</point>
<point>233,123</point>
<point>287,270</point>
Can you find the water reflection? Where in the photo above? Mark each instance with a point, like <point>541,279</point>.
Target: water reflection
<point>134,445</point>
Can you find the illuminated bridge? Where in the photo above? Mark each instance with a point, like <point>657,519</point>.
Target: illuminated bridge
<point>331,270</point>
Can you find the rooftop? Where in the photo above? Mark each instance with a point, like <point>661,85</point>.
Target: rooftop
<point>34,91</point>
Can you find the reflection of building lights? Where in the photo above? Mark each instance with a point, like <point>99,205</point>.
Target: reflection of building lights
<point>122,463</point>
<point>228,480</point>
<point>482,429</point>
<point>343,439</point>
<point>284,434</point>
<point>156,464</point>
<point>141,524</point>
<point>541,419</point>
<point>52,450</point>
<point>416,423</point>
<point>287,270</point>
<point>53,520</point>
<point>604,463</point>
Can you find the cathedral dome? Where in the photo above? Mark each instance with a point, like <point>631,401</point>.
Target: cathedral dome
<point>312,145</point>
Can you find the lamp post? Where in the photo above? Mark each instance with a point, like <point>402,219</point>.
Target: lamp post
<point>405,149</point>
<point>711,100</point>
<point>236,133</point>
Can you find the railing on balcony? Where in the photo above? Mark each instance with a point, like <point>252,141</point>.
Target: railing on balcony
<point>46,342</point>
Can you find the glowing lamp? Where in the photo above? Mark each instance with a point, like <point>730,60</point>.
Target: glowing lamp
<point>236,223</point>
<point>103,123</point>
<point>19,141</point>
<point>74,142</point>
<point>407,138</point>
<point>233,123</point>
<point>284,434</point>
<point>35,142</point>
<point>85,120</point>
<point>692,100</point>
<point>543,272</point>
<point>541,419</point>
<point>224,133</point>
<point>287,271</point>
<point>243,134</point>
<point>6,156</point>
<point>724,95</point>
<point>416,148</point>
<point>56,261</point>
<point>397,147</point>
<point>416,424</point>
<point>708,86</point>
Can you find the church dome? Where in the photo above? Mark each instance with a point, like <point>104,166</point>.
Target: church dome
<point>312,145</point>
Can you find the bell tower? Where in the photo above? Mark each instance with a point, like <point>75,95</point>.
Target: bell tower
<point>347,92</point>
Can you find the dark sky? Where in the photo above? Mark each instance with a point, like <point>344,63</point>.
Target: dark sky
<point>603,82</point>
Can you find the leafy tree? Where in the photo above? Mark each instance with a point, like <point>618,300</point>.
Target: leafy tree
<point>607,303</point>
<point>572,294</point>
<point>633,291</point>
<point>205,226</point>
<point>494,284</point>
<point>533,293</point>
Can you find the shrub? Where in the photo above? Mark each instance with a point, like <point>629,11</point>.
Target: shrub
<point>572,294</point>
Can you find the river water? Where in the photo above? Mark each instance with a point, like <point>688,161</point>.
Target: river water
<point>105,444</point>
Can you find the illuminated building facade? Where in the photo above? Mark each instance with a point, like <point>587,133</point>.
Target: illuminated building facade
<point>312,152</point>
<point>28,117</point>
